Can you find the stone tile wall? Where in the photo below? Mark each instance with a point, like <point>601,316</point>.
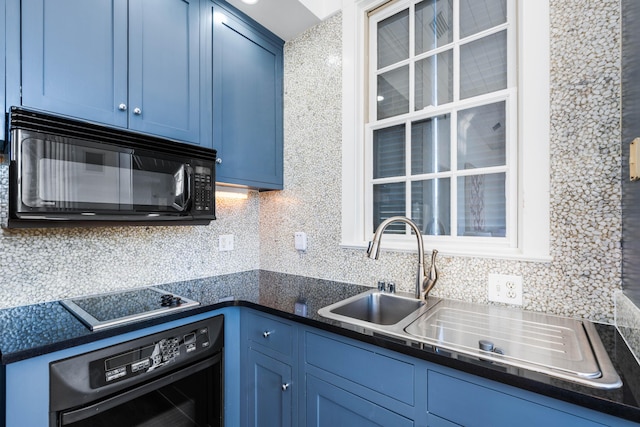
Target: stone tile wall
<point>585,175</point>
<point>43,265</point>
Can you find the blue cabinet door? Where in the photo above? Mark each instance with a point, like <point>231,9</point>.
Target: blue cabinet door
<point>2,71</point>
<point>247,102</point>
<point>74,58</point>
<point>331,406</point>
<point>132,64</point>
<point>164,68</point>
<point>485,406</point>
<point>270,391</point>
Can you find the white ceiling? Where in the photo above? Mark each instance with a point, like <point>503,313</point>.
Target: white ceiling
<point>288,18</point>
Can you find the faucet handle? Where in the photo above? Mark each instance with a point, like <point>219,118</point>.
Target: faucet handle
<point>382,286</point>
<point>432,276</point>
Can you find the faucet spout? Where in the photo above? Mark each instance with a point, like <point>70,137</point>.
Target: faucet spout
<point>423,283</point>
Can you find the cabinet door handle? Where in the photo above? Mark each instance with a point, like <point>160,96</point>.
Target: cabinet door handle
<point>219,161</point>
<point>137,111</point>
<point>266,334</point>
<point>122,107</point>
<point>285,386</point>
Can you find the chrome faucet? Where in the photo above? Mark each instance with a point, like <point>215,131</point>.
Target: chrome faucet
<point>425,280</point>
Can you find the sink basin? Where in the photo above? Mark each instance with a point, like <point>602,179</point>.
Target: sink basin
<point>379,308</point>
<point>560,347</point>
<point>375,308</point>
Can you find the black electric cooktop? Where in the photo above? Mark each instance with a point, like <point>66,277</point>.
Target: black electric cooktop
<point>106,310</point>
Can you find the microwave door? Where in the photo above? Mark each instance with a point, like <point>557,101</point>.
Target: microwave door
<point>75,178</point>
<point>160,185</point>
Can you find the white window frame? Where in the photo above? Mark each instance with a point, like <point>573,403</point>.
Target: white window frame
<point>532,214</point>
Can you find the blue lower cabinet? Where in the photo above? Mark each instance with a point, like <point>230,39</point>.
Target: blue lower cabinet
<point>390,380</point>
<point>331,406</point>
<point>270,395</point>
<point>463,402</point>
<point>435,421</point>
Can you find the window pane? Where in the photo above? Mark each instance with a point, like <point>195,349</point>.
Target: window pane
<point>393,93</point>
<point>481,136</point>
<point>388,201</point>
<point>389,152</point>
<point>393,39</point>
<point>430,145</point>
<point>479,15</point>
<point>434,24</point>
<point>483,65</point>
<point>482,207</point>
<point>430,206</point>
<point>434,80</point>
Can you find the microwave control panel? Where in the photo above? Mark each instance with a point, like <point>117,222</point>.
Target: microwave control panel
<point>203,189</point>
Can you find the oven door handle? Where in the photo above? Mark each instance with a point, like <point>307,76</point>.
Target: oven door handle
<point>71,417</point>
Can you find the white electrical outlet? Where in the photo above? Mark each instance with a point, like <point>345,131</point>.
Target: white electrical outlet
<point>225,242</point>
<point>505,288</point>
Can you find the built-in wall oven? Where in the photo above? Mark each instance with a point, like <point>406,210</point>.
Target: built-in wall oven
<point>172,378</point>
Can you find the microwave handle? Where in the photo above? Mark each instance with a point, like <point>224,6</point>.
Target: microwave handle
<point>188,177</point>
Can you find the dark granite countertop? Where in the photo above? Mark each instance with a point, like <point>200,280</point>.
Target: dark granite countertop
<point>38,329</point>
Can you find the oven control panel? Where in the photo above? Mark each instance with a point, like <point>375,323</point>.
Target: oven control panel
<point>163,353</point>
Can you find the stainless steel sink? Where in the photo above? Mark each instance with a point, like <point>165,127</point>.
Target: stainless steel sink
<point>560,347</point>
<point>379,308</point>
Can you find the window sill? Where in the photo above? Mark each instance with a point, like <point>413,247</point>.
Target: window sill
<point>448,249</point>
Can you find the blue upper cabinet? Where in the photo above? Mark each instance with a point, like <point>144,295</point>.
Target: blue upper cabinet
<point>131,64</point>
<point>247,64</point>
<point>74,58</point>
<point>2,72</point>
<point>164,68</point>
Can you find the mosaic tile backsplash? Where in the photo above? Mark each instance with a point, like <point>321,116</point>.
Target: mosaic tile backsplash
<point>585,175</point>
<point>41,265</point>
<point>44,265</point>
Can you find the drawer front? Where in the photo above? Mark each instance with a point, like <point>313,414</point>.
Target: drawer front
<point>270,333</point>
<point>328,405</point>
<point>469,404</point>
<point>386,375</point>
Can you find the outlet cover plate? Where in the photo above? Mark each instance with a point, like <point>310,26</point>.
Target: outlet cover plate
<point>225,242</point>
<point>505,288</point>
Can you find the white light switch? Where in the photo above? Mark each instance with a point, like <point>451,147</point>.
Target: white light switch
<point>300,240</point>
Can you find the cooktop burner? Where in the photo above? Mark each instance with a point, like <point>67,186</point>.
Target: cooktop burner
<point>106,310</point>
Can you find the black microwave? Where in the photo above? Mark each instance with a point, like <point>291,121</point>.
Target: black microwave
<point>65,172</point>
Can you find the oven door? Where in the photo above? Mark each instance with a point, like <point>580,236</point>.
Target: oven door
<point>185,398</point>
<point>169,378</point>
<point>66,177</point>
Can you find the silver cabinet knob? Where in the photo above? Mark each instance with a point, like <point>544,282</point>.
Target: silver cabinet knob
<point>137,111</point>
<point>266,334</point>
<point>219,161</point>
<point>285,387</point>
<point>122,107</point>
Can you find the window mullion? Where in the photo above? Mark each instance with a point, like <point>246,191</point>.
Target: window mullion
<point>372,72</point>
<point>456,51</point>
<point>454,174</point>
<point>408,169</point>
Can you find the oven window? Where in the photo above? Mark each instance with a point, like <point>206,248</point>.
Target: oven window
<point>194,401</point>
